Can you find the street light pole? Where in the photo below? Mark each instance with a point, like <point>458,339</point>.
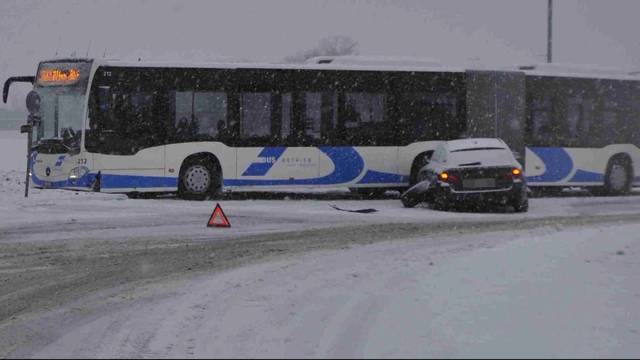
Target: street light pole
<point>549,30</point>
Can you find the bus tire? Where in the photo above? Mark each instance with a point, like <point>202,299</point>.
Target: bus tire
<point>418,163</point>
<point>199,179</point>
<point>619,176</point>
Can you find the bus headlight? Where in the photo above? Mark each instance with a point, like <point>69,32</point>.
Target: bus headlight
<point>78,172</point>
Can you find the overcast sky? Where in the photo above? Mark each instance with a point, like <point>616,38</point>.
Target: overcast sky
<point>500,32</point>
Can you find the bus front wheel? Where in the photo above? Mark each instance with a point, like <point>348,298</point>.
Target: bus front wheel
<point>198,180</point>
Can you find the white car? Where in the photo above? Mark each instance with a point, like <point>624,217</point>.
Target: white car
<point>480,171</point>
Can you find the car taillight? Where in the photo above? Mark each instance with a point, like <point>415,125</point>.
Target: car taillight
<point>448,178</point>
<point>516,173</point>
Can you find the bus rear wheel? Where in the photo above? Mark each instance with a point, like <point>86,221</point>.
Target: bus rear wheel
<point>617,180</point>
<point>418,163</point>
<point>198,180</point>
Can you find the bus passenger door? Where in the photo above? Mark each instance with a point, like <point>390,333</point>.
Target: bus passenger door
<point>125,139</point>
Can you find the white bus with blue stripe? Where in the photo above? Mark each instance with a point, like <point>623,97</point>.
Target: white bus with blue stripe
<point>198,129</point>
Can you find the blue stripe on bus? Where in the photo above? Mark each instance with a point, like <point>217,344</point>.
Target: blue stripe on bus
<point>270,156</point>
<point>348,165</point>
<point>108,181</point>
<point>378,177</point>
<point>557,162</point>
<point>59,161</point>
<point>587,176</point>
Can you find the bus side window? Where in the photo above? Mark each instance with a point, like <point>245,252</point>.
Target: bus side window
<point>99,117</point>
<point>364,119</point>
<point>313,115</point>
<point>541,120</point>
<point>255,118</point>
<point>198,116</point>
<point>286,117</point>
<point>320,117</point>
<point>210,110</point>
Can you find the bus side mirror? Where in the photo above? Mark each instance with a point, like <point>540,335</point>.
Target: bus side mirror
<point>25,129</point>
<point>33,102</point>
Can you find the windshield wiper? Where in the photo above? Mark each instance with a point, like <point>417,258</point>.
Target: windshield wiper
<point>52,146</point>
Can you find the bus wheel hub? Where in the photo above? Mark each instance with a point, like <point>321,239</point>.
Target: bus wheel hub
<point>197,179</point>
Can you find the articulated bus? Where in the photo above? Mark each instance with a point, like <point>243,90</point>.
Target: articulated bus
<point>197,129</point>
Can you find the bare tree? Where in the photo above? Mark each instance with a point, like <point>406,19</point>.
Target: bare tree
<point>328,46</point>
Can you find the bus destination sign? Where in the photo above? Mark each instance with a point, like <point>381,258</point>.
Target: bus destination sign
<point>58,76</point>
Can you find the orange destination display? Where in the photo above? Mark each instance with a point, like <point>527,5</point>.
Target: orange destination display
<point>58,76</point>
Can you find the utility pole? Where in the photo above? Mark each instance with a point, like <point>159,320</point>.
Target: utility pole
<point>549,30</point>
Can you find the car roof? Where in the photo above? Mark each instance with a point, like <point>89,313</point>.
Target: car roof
<point>453,145</point>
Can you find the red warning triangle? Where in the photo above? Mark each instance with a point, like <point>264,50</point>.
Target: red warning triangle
<point>218,218</point>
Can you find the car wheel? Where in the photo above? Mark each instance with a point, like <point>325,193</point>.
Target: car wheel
<point>440,203</point>
<point>409,201</point>
<point>520,204</point>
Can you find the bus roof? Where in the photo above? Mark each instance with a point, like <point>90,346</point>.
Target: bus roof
<point>321,63</point>
<point>384,63</point>
<point>579,71</point>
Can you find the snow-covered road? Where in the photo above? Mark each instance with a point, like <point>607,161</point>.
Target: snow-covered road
<point>547,292</point>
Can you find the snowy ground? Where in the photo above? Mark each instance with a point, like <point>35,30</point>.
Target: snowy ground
<point>544,293</point>
<point>97,275</point>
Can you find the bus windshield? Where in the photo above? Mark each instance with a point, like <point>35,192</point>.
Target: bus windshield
<point>62,88</point>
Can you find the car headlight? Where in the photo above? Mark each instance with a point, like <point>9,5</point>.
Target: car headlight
<point>78,172</point>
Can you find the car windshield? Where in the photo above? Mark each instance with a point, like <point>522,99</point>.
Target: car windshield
<point>480,156</point>
<point>62,89</point>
